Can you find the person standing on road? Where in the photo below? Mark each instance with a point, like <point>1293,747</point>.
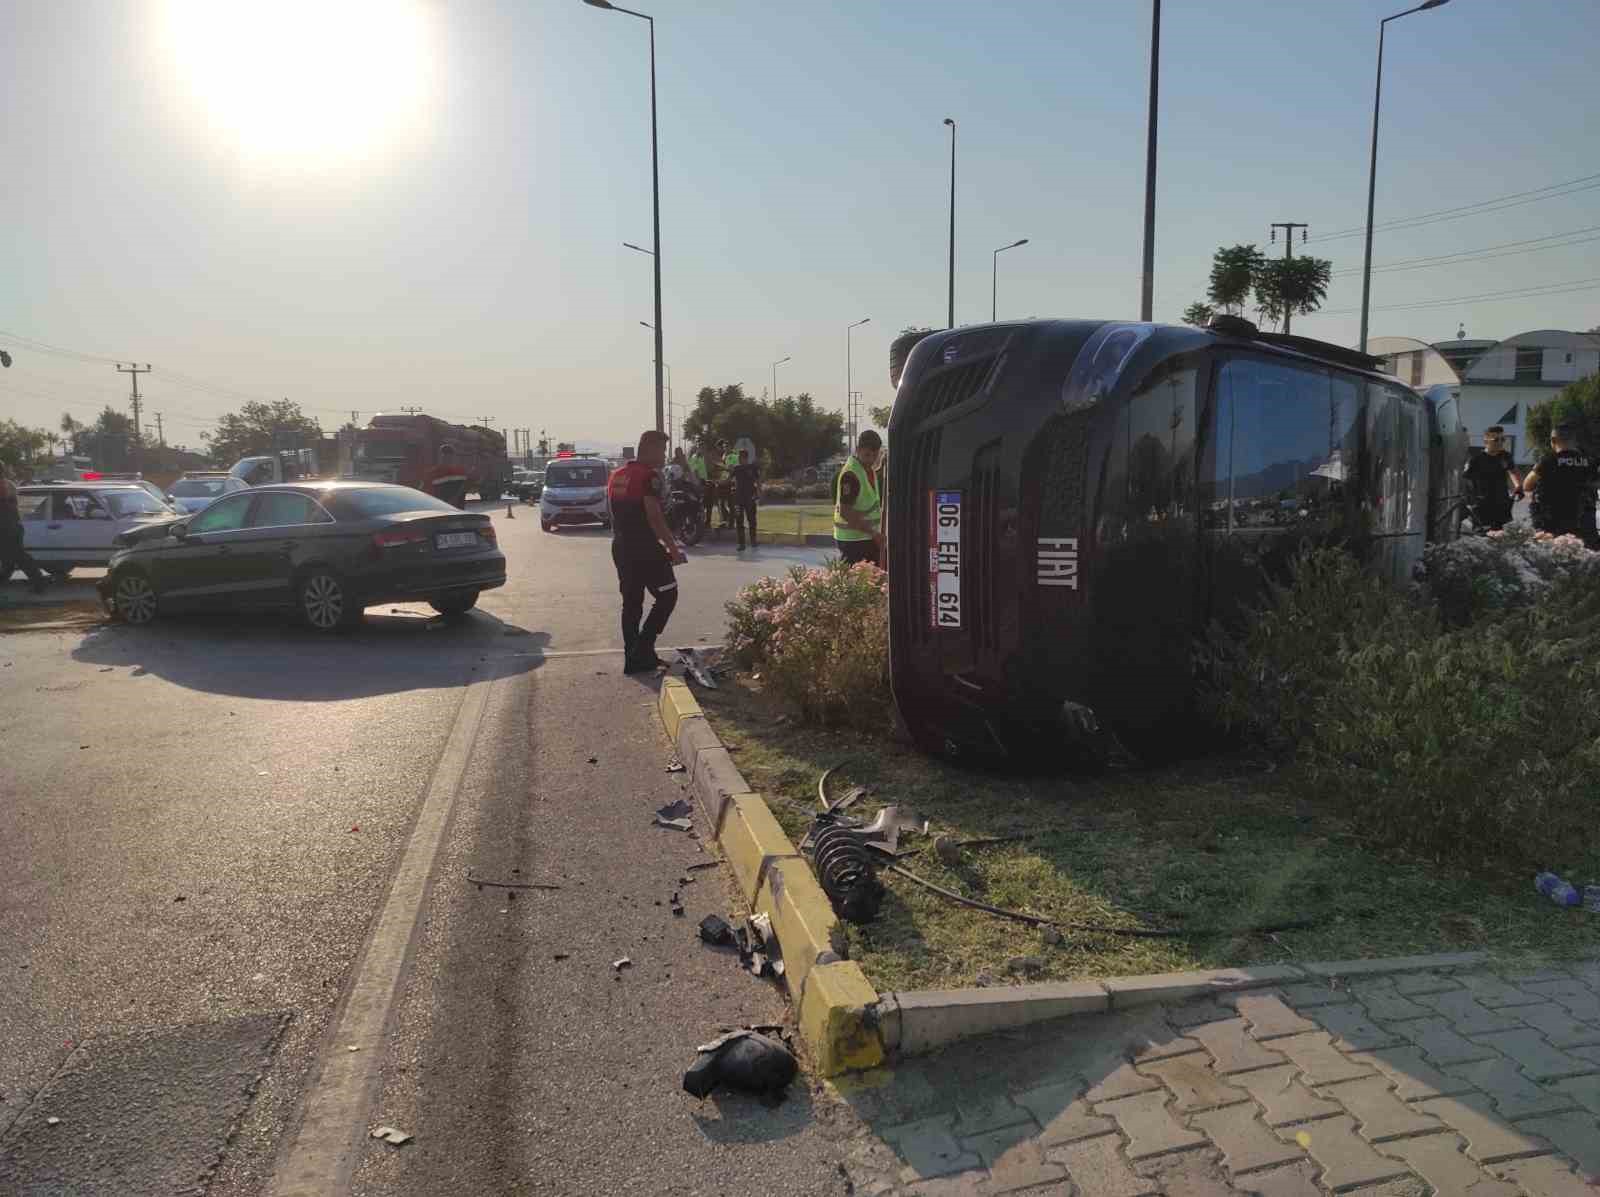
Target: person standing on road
<point>746,489</point>
<point>644,551</point>
<point>13,556</point>
<point>1562,486</point>
<point>1491,481</point>
<point>858,503</point>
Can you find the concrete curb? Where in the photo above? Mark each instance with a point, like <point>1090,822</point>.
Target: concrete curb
<point>845,1022</point>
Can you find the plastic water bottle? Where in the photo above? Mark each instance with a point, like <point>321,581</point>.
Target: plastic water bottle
<point>1558,891</point>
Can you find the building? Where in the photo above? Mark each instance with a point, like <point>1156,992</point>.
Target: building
<point>1498,381</point>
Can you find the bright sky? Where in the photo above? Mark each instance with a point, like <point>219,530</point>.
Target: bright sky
<point>361,204</point>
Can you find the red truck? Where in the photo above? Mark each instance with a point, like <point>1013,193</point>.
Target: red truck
<point>448,461</point>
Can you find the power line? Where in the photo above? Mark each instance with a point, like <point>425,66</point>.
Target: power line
<point>1483,253</point>
<point>1498,203</point>
<point>1514,293</point>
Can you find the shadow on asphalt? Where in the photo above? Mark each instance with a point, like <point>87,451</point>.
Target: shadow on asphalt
<point>740,1118</point>
<point>271,657</point>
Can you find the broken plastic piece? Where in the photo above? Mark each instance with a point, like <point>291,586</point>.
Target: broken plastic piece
<point>621,963</point>
<point>676,809</point>
<point>715,930</point>
<point>52,1122</point>
<point>695,668</point>
<point>744,1059</point>
<point>392,1136</point>
<point>761,924</point>
<point>678,824</point>
<point>675,767</point>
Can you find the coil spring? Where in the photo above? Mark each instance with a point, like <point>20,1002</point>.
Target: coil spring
<point>847,872</point>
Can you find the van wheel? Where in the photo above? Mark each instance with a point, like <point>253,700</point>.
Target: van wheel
<point>455,604</point>
<point>135,600</point>
<point>326,603</point>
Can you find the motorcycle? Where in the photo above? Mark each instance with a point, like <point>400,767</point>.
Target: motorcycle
<point>686,514</point>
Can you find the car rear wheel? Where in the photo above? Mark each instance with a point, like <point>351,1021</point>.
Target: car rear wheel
<point>455,604</point>
<point>135,599</point>
<point>326,603</point>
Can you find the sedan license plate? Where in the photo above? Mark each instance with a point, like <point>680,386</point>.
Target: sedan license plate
<point>454,540</point>
<point>944,557</point>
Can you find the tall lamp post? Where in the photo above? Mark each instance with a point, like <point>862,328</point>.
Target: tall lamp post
<point>1147,291</point>
<point>664,366</point>
<point>775,366</point>
<point>655,191</point>
<point>952,272</point>
<point>994,277</point>
<point>1372,169</point>
<point>849,396</point>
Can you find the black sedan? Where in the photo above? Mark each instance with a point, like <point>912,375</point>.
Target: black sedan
<point>325,550</point>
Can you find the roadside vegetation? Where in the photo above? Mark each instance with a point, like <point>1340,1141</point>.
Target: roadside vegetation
<point>1407,760</point>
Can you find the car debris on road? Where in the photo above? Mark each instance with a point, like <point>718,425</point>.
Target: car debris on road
<point>744,1059</point>
<point>391,1136</point>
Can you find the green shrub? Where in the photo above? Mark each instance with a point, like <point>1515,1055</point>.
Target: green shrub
<point>777,492</point>
<point>1476,577</point>
<point>821,639</point>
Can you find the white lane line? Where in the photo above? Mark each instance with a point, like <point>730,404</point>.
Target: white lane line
<point>335,1112</point>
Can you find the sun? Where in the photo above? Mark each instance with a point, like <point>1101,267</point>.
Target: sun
<point>303,81</point>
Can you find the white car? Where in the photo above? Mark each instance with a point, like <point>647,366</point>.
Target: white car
<point>193,493</point>
<point>575,493</point>
<point>72,525</point>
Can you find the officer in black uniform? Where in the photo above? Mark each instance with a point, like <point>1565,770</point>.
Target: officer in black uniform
<point>1491,479</point>
<point>1562,486</point>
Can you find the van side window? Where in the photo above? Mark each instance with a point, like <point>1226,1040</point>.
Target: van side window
<point>1161,445</point>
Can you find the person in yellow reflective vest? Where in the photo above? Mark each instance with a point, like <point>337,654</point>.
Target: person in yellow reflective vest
<point>858,503</point>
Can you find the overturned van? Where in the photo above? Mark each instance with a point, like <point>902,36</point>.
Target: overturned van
<point>1072,502</point>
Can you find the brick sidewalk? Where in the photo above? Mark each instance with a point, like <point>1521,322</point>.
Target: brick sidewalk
<point>1472,1083</point>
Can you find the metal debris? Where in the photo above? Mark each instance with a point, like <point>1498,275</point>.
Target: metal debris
<point>52,1122</point>
<point>675,767</point>
<point>675,810</point>
<point>697,666</point>
<point>392,1136</point>
<point>621,963</point>
<point>714,930</point>
<point>705,864</point>
<point>480,882</point>
<point>679,824</point>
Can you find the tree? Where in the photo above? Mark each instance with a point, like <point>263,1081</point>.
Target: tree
<point>792,428</point>
<point>1578,404</point>
<point>260,428</point>
<point>19,445</point>
<point>1296,286</point>
<point>1198,314</point>
<point>880,416</point>
<point>72,430</point>
<point>1233,273</point>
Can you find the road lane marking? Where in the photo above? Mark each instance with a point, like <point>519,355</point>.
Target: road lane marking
<point>332,1131</point>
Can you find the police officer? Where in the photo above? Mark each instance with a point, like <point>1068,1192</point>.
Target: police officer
<point>644,551</point>
<point>1491,480</point>
<point>1562,486</point>
<point>858,503</point>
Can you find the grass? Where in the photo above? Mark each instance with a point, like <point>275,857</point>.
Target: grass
<point>1210,848</point>
<point>814,519</point>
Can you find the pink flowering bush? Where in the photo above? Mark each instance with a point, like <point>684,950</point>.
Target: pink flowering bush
<point>820,638</point>
<point>1477,577</point>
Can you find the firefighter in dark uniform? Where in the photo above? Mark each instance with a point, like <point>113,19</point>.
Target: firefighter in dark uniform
<point>1491,481</point>
<point>1562,486</point>
<point>644,550</point>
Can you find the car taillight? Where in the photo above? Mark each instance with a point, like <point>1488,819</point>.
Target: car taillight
<point>488,533</point>
<point>387,540</point>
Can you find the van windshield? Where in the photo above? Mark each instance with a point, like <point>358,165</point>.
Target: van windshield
<point>575,475</point>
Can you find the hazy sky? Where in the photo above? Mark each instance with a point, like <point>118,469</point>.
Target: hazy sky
<point>361,205</point>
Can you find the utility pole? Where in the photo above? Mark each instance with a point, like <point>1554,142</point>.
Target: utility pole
<point>1288,227</point>
<point>355,419</point>
<point>161,434</point>
<point>135,370</point>
<point>1147,290</point>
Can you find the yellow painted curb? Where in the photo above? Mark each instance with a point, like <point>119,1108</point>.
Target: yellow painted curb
<point>751,841</point>
<point>802,918</point>
<point>836,1018</point>
<point>676,703</point>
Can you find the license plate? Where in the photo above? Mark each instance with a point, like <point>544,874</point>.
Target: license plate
<point>454,540</point>
<point>944,557</point>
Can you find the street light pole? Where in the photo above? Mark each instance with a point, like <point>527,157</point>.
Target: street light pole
<point>775,366</point>
<point>1147,295</point>
<point>849,398</point>
<point>1372,167</point>
<point>952,272</point>
<point>655,193</point>
<point>994,277</point>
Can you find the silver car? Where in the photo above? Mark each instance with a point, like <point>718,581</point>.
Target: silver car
<point>194,492</point>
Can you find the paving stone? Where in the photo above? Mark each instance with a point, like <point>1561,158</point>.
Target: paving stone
<point>1381,1114</point>
<point>1246,1144</point>
<point>1316,1057</point>
<point>1389,965</point>
<point>1065,1116</point>
<point>1015,1160</point>
<point>1191,1014</point>
<point>1353,1031</point>
<point>1283,1097</point>
<point>1489,1137</point>
<point>1466,1014</point>
<point>1346,1161</point>
<point>1314,993</point>
<point>962,1184</point>
<point>929,1149</point>
<point>1096,1166</point>
<point>1515,1096</point>
<point>1412,1076</point>
<point>1410,984</point>
<point>1493,991</point>
<point>1441,1162</point>
<point>1121,1081</point>
<point>1545,1176</point>
<point>1591,1054</point>
<point>1585,1090</point>
<point>1444,1047</point>
<point>1576,1135</point>
<point>1149,1125</point>
<point>1579,1000</point>
<point>1557,1025</point>
<point>1233,1049</point>
<point>987,1114</point>
<point>1188,1174</point>
<point>1161,1043</point>
<point>1535,1056</point>
<point>1268,1016</point>
<point>1194,1083</point>
<point>1387,1004</point>
<point>1293,1181</point>
<point>1539,976</point>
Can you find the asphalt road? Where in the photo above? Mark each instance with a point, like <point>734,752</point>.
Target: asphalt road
<point>207,828</point>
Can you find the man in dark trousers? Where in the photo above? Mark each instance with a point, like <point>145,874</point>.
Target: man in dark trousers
<point>12,555</point>
<point>746,488</point>
<point>1491,480</point>
<point>644,550</point>
<point>1562,486</point>
<point>858,503</point>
